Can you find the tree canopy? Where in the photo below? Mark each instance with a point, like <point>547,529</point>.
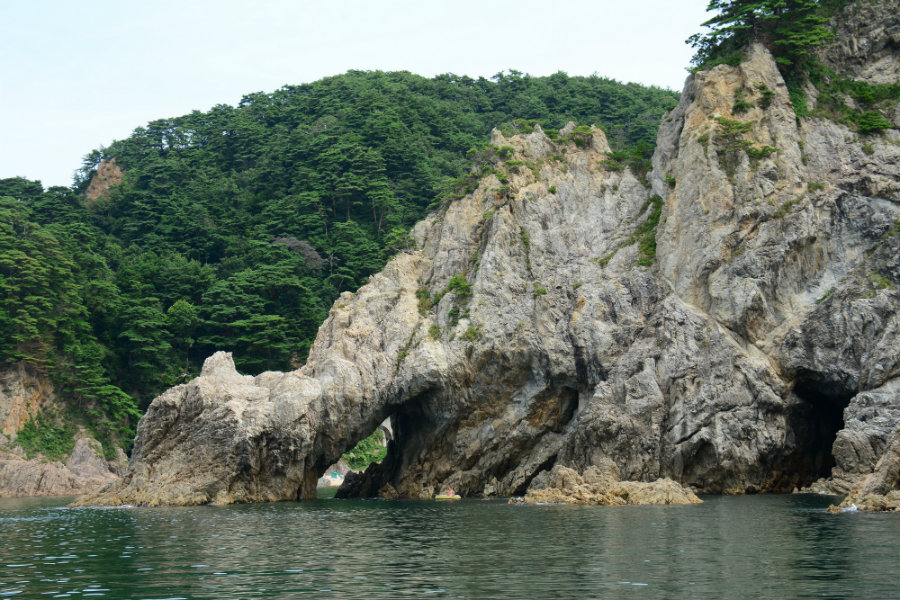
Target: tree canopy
<point>792,30</point>
<point>788,28</point>
<point>259,215</point>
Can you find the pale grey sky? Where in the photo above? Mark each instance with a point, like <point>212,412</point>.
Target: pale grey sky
<point>78,75</point>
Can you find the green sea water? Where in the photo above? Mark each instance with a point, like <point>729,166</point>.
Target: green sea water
<point>729,547</point>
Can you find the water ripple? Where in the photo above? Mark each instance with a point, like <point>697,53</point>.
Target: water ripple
<point>776,546</point>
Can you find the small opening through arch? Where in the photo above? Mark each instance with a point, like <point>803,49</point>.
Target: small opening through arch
<point>372,449</point>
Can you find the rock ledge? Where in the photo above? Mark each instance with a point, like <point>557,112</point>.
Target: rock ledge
<point>601,485</point>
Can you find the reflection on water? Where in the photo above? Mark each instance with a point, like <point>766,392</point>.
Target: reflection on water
<point>728,547</point>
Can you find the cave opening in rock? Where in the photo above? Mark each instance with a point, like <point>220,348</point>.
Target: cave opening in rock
<point>815,422</point>
<point>359,452</point>
<point>403,434</point>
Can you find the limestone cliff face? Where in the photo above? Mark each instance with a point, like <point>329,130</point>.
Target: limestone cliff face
<point>867,41</point>
<point>482,386</point>
<point>756,352</point>
<point>795,254</point>
<point>25,394</point>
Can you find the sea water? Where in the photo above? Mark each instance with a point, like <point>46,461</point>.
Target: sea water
<point>779,546</point>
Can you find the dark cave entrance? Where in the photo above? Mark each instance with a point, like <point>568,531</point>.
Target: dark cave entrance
<point>423,430</point>
<point>814,422</point>
<point>398,431</point>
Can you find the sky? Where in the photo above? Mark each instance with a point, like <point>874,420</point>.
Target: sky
<point>74,76</point>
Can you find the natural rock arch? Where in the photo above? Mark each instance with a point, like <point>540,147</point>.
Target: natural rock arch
<point>524,332</point>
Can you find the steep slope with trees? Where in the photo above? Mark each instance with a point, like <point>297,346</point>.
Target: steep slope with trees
<point>272,208</point>
<point>825,77</point>
<point>237,228</point>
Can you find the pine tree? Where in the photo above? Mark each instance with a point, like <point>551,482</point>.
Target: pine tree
<point>788,28</point>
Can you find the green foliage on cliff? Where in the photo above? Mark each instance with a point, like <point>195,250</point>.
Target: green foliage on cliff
<point>459,286</point>
<point>57,298</point>
<point>42,435</point>
<point>788,28</point>
<point>730,142</point>
<point>858,104</point>
<point>645,234</point>
<point>791,30</point>
<point>367,451</point>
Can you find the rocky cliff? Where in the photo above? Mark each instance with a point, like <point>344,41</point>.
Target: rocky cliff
<point>25,394</point>
<point>734,327</point>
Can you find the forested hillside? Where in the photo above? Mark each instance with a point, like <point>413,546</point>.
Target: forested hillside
<point>237,228</point>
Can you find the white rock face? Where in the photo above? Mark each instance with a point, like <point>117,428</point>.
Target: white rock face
<point>765,330</point>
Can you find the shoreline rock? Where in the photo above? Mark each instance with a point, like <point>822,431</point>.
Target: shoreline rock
<point>880,490</point>
<point>85,471</point>
<point>25,394</point>
<point>600,485</point>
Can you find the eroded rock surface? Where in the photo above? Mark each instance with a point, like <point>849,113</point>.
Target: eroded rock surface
<point>24,395</point>
<point>601,485</point>
<point>525,334</point>
<point>879,490</point>
<point>108,175</point>
<point>85,471</point>
<point>867,41</point>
